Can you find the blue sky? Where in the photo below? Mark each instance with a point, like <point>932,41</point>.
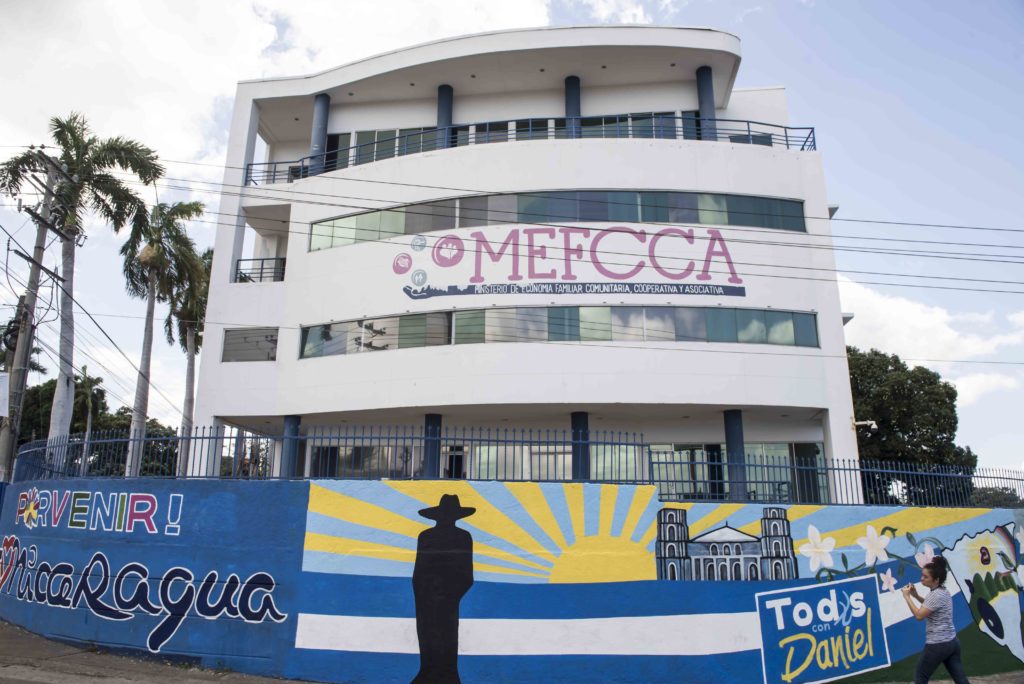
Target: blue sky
<point>915,104</point>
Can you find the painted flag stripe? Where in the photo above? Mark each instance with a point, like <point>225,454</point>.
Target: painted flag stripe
<point>672,635</point>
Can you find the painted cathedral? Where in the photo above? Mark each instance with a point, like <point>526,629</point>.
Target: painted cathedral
<point>725,553</point>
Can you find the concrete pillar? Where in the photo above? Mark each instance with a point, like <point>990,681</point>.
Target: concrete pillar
<point>431,446</point>
<point>445,107</point>
<point>706,103</point>
<point>290,450</point>
<point>580,421</point>
<point>572,106</point>
<point>736,455</point>
<point>318,136</point>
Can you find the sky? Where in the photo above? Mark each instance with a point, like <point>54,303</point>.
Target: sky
<point>915,104</point>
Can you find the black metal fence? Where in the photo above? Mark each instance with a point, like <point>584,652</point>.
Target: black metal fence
<point>515,455</point>
<point>636,126</point>
<point>268,270</point>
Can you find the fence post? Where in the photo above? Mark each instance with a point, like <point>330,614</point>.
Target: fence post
<point>432,446</point>
<point>580,445</point>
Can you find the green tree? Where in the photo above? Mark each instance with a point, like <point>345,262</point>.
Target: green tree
<point>915,411</point>
<point>87,184</point>
<point>39,400</point>
<point>185,320</point>
<point>159,259</point>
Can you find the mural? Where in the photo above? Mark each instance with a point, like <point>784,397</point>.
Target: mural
<point>454,581</point>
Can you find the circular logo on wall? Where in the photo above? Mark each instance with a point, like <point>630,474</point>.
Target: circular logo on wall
<point>418,244</point>
<point>448,251</point>
<point>419,277</point>
<point>402,263</point>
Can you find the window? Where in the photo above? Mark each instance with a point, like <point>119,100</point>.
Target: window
<point>750,326</point>
<point>805,330</point>
<point>627,323</point>
<point>691,125</point>
<point>469,327</point>
<point>430,216</point>
<point>659,323</point>
<point>563,324</point>
<point>596,323</point>
<point>494,131</point>
<point>337,151</point>
<point>250,344</point>
<point>691,325</point>
<point>325,340</point>
<point>780,327</point>
<point>424,330</point>
<point>531,129</point>
<point>721,325</point>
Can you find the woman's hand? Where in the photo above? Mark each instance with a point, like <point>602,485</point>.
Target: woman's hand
<point>908,590</point>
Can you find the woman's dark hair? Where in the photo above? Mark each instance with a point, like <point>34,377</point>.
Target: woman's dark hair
<point>938,568</point>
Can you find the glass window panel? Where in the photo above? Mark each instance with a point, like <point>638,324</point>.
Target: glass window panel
<point>692,326</point>
<point>627,323</point>
<point>432,138</point>
<point>750,326</point>
<point>595,323</point>
<point>791,215</point>
<point>410,140</point>
<point>654,207</point>
<point>561,129</point>
<point>459,136</point>
<point>379,334</point>
<point>430,216</point>
<point>365,144</point>
<point>494,131</point>
<point>660,324</point>
<point>532,208</point>
<point>563,324</point>
<point>665,125</point>
<point>683,207</point>
<point>721,324</point>
<point>593,205</point>
<point>344,231</point>
<point>592,127</point>
<point>469,327</point>
<point>643,125</point>
<point>614,462</point>
<point>622,206</point>
<point>533,324</point>
<point>531,129</point>
<point>250,344</point>
<point>780,327</point>
<point>502,209</point>
<point>412,331</point>
<point>561,207</point>
<point>325,340</point>
<point>392,223</point>
<point>502,325</point>
<point>337,151</point>
<point>712,209</point>
<point>368,226</point>
<point>320,236</point>
<point>691,125</point>
<point>439,328</point>
<point>805,329</point>
<point>473,211</point>
<point>386,144</point>
<point>746,211</point>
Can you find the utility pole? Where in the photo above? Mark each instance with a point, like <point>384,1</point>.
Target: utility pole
<point>26,329</point>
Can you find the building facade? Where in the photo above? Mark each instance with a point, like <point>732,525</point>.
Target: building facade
<point>565,228</point>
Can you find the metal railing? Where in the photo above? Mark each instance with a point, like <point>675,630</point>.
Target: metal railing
<point>613,126</point>
<point>515,455</point>
<point>269,270</point>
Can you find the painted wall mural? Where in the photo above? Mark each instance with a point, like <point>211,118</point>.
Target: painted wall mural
<point>447,581</point>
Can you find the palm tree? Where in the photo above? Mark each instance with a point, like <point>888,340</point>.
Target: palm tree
<point>186,316</point>
<point>85,184</point>
<point>159,257</point>
<point>89,396</point>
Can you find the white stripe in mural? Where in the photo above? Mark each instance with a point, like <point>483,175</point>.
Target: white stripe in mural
<point>671,635</point>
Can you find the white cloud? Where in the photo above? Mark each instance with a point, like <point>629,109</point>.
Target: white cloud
<point>620,11</point>
<point>970,388</point>
<point>744,13</point>
<point>913,330</point>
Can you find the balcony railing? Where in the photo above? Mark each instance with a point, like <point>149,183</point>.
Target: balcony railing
<point>408,453</point>
<point>269,270</point>
<point>634,126</point>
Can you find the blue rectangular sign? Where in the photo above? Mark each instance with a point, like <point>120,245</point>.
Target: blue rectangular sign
<point>821,632</point>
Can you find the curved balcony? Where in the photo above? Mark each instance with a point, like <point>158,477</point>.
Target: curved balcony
<point>645,126</point>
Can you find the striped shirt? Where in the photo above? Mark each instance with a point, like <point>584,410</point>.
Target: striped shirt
<point>938,627</point>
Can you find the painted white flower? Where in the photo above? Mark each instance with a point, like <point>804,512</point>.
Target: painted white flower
<point>925,557</point>
<point>887,580</point>
<point>874,546</point>
<point>1020,537</point>
<point>818,550</point>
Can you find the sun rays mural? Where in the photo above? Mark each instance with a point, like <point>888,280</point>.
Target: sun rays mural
<point>524,532</point>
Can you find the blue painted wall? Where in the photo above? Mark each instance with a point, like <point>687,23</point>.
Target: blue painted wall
<point>313,580</point>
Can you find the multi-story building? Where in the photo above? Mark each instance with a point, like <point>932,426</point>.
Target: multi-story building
<point>584,228</point>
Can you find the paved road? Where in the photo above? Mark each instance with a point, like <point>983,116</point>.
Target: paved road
<point>29,659</point>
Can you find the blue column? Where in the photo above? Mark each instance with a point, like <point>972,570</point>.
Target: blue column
<point>318,137</point>
<point>445,106</point>
<point>706,103</point>
<point>431,446</point>
<point>290,448</point>
<point>580,445</point>
<point>572,106</point>
<point>736,455</point>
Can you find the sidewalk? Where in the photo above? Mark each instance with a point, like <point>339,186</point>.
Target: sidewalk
<point>29,659</point>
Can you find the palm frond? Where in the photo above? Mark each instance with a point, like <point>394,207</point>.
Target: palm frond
<point>129,155</point>
<point>15,170</point>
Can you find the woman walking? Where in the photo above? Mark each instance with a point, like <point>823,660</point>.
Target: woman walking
<point>940,642</point>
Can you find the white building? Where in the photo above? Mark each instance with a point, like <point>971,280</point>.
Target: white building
<point>586,227</point>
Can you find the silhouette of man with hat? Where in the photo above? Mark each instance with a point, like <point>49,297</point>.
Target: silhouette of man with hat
<point>441,577</point>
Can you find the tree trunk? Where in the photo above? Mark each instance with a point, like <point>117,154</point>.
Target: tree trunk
<point>139,410</point>
<point>186,413</point>
<point>86,447</point>
<point>64,393</point>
